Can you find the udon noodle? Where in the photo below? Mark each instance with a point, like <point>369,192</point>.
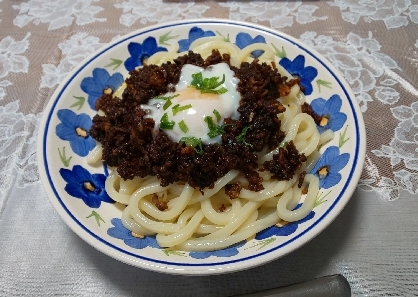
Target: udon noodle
<point>192,221</point>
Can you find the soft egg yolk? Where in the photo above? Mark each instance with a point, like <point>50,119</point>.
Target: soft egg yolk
<point>189,107</point>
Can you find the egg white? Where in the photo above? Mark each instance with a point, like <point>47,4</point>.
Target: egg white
<point>202,104</point>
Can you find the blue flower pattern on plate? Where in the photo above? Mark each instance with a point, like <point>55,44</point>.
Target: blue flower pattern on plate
<point>120,232</point>
<point>227,252</point>
<point>244,39</point>
<point>100,81</point>
<point>286,230</point>
<point>329,165</point>
<point>139,52</point>
<point>330,109</point>
<point>86,186</point>
<point>297,68</point>
<point>74,128</point>
<point>194,33</point>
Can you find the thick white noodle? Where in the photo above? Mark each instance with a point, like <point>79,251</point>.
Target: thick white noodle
<point>112,186</point>
<point>175,206</point>
<point>276,188</point>
<point>95,155</point>
<point>220,218</point>
<point>220,184</point>
<point>183,234</point>
<point>325,137</point>
<point>245,54</point>
<point>211,39</point>
<point>200,244</point>
<point>130,224</point>
<point>303,132</point>
<point>285,202</point>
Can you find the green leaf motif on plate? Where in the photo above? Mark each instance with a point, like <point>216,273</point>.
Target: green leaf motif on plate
<point>96,216</point>
<point>226,39</point>
<point>321,199</point>
<point>115,63</point>
<point>65,161</point>
<point>166,37</point>
<point>169,252</point>
<point>79,102</point>
<point>263,243</point>
<point>323,83</point>
<point>279,53</point>
<point>342,139</point>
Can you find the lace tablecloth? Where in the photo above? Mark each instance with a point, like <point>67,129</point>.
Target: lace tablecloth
<point>374,241</point>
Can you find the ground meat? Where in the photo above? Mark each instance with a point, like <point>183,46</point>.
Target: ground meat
<point>202,171</point>
<point>190,58</point>
<point>150,82</point>
<point>301,179</point>
<point>131,145</point>
<point>215,58</point>
<point>259,87</point>
<point>286,162</point>
<point>254,181</point>
<point>159,202</point>
<point>164,156</point>
<point>233,190</point>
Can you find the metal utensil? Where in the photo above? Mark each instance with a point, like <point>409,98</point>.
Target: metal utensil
<point>327,286</point>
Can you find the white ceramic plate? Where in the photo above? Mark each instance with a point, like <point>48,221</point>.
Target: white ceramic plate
<point>63,168</point>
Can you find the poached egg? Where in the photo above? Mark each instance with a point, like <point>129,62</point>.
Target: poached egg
<point>186,110</point>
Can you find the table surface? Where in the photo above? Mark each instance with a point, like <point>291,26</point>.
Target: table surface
<point>373,242</point>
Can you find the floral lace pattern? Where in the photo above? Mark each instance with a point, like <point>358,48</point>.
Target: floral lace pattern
<point>360,61</point>
<point>278,14</point>
<point>394,13</point>
<point>12,60</point>
<point>17,149</point>
<point>73,50</point>
<point>152,11</point>
<point>399,151</point>
<point>57,14</point>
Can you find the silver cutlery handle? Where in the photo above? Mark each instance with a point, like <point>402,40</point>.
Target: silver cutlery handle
<point>327,286</point>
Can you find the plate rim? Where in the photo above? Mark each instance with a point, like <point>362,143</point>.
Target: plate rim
<point>246,262</point>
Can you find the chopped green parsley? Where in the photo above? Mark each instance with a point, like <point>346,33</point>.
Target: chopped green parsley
<point>241,137</point>
<point>214,130</point>
<point>284,145</point>
<point>165,123</point>
<point>183,127</point>
<point>208,85</point>
<point>217,115</point>
<point>166,97</point>
<point>177,108</point>
<point>194,142</point>
<point>167,104</point>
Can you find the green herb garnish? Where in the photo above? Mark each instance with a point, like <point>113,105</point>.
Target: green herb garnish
<point>166,97</point>
<point>214,130</point>
<point>194,142</point>
<point>241,137</point>
<point>165,123</point>
<point>177,108</point>
<point>167,104</point>
<point>284,145</point>
<point>208,85</point>
<point>183,127</point>
<point>217,115</point>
